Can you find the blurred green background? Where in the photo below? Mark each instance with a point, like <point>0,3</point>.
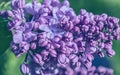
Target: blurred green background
<point>9,64</point>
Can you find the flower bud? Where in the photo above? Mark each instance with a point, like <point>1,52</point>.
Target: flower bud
<point>33,46</point>
<point>74,58</point>
<point>24,69</point>
<point>62,59</point>
<point>83,12</point>
<point>53,53</point>
<point>66,3</point>
<point>38,59</point>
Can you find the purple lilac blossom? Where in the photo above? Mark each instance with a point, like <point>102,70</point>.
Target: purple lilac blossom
<point>58,41</point>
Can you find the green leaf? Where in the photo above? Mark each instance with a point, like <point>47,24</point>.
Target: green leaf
<point>9,64</point>
<point>115,59</point>
<point>5,36</point>
<point>5,5</point>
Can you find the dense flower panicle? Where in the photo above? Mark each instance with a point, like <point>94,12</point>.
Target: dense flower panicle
<point>58,41</point>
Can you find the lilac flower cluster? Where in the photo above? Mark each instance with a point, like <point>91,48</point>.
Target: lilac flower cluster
<point>59,42</point>
<point>67,70</point>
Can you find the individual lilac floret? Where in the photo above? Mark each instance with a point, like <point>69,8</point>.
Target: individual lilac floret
<point>58,41</point>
